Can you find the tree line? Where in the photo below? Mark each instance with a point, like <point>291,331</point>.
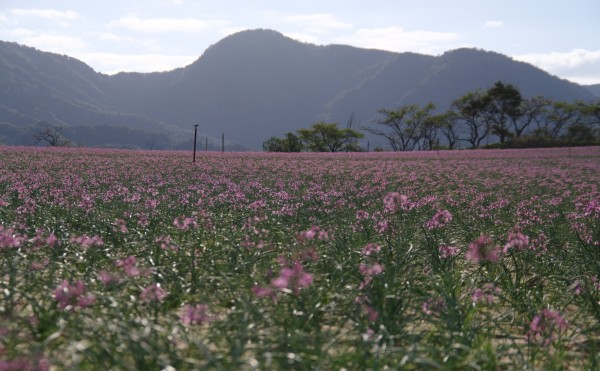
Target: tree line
<point>500,115</point>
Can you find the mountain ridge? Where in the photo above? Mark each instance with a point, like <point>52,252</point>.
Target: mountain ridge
<point>251,85</point>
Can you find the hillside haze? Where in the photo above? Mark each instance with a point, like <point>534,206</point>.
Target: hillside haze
<point>251,86</point>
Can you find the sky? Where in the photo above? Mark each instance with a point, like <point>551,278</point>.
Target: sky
<point>560,37</point>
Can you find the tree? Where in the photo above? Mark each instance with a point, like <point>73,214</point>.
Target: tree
<point>560,115</point>
<point>532,110</point>
<point>327,137</point>
<point>448,126</point>
<point>502,106</point>
<point>469,110</point>
<point>290,143</point>
<point>52,136</point>
<point>403,127</point>
<point>429,131</point>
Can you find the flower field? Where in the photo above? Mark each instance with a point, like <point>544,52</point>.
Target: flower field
<point>452,260</point>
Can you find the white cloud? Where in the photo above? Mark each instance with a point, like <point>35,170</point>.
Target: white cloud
<point>46,13</point>
<point>112,63</point>
<point>493,24</point>
<point>159,25</point>
<point>317,23</point>
<point>578,65</point>
<point>396,39</point>
<point>109,36</point>
<point>56,43</point>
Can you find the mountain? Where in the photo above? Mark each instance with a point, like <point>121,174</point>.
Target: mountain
<point>595,89</point>
<point>250,86</point>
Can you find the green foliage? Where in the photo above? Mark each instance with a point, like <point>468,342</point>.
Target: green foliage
<point>327,137</point>
<point>290,143</point>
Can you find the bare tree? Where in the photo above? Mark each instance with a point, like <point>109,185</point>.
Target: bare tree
<point>52,136</point>
<point>404,126</point>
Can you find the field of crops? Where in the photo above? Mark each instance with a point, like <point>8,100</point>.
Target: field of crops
<point>453,260</point>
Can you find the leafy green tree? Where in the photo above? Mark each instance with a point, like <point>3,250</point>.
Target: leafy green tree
<point>328,137</point>
<point>502,106</point>
<point>560,116</point>
<point>290,143</point>
<point>469,111</point>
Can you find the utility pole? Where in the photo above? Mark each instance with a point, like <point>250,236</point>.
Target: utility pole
<point>222,142</point>
<point>195,135</point>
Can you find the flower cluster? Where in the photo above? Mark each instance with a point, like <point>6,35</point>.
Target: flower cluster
<point>439,220</point>
<point>74,295</point>
<point>292,278</point>
<point>394,201</point>
<point>482,249</point>
<point>546,326</point>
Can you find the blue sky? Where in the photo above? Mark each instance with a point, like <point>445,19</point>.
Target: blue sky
<point>560,37</point>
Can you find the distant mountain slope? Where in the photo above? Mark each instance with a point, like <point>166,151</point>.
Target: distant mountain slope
<point>595,89</point>
<point>253,85</point>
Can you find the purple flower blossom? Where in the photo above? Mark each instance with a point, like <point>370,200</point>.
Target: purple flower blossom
<point>370,249</point>
<point>153,293</point>
<point>73,295</point>
<point>546,326</point>
<point>483,248</point>
<point>291,277</point>
<point>485,294</point>
<point>129,265</point>
<point>8,238</point>
<point>447,251</point>
<point>433,306</point>
<point>381,226</point>
<point>394,201</point>
<point>184,223</point>
<point>516,241</point>
<point>194,314</point>
<point>440,219</point>
<point>87,241</point>
<point>368,272</point>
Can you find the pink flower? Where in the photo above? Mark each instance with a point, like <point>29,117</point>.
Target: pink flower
<point>262,292</point>
<point>487,294</point>
<point>371,313</point>
<point>368,272</point>
<point>362,215</point>
<point>517,241</point>
<point>87,241</point>
<point>393,201</point>
<point>483,248</point>
<point>312,233</point>
<point>194,314</point>
<point>8,238</point>
<point>381,226</point>
<point>545,327</point>
<point>292,277</point>
<point>440,219</point>
<point>120,226</point>
<point>433,306</point>
<point>72,295</point>
<point>129,265</point>
<point>370,249</point>
<point>183,223</point>
<point>153,293</point>
<point>108,278</point>
<point>447,251</point>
